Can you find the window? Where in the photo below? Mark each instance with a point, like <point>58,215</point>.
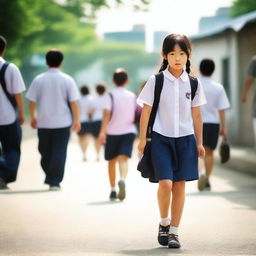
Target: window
<point>226,76</point>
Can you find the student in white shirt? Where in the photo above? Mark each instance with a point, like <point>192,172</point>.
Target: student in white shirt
<point>97,115</point>
<point>54,95</point>
<point>214,122</point>
<point>85,104</point>
<point>11,117</point>
<point>118,131</point>
<point>177,134</point>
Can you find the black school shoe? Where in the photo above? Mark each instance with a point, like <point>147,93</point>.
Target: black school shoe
<point>163,235</point>
<point>113,195</point>
<point>208,185</point>
<point>3,184</point>
<point>173,241</point>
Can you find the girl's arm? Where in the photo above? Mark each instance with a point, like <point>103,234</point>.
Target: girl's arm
<point>105,120</point>
<point>32,110</point>
<point>20,105</point>
<point>246,87</point>
<point>145,114</point>
<point>198,128</point>
<point>223,130</point>
<point>76,126</point>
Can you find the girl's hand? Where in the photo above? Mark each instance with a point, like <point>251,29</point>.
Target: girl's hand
<point>141,145</point>
<point>102,138</point>
<point>76,126</point>
<point>33,123</point>
<point>223,132</point>
<point>201,151</point>
<point>21,119</point>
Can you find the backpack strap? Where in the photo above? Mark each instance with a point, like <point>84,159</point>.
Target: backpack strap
<point>3,84</point>
<point>157,93</point>
<point>193,85</point>
<point>112,103</point>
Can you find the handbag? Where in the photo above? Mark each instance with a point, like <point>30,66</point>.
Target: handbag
<point>145,165</point>
<point>224,150</point>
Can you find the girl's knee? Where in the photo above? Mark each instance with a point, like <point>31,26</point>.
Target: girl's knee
<point>208,151</point>
<point>122,158</point>
<point>165,186</point>
<point>179,185</point>
<point>112,161</point>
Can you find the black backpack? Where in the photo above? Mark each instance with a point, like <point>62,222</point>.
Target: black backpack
<point>145,165</point>
<point>3,84</point>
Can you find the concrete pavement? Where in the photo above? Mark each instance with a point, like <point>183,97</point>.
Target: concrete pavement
<point>80,220</point>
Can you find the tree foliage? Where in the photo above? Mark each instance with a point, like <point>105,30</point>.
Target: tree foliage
<point>30,26</point>
<point>241,7</point>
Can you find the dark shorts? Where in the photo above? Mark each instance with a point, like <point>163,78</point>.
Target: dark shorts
<point>210,135</point>
<point>174,159</point>
<point>96,125</point>
<point>86,128</point>
<point>117,145</point>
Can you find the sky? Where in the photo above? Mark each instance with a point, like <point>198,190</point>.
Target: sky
<point>175,16</point>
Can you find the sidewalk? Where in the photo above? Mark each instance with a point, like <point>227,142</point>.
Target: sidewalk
<point>241,159</point>
<point>80,219</point>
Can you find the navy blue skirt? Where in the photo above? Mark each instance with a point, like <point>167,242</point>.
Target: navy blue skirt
<point>174,159</point>
<point>86,128</point>
<point>117,145</point>
<point>210,135</point>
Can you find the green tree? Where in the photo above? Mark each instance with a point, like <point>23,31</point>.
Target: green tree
<point>240,7</point>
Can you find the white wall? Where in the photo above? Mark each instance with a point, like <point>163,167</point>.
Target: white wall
<point>218,48</point>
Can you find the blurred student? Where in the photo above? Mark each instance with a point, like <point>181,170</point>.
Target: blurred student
<point>118,131</point>
<point>97,115</point>
<point>251,75</point>
<point>85,118</point>
<point>214,122</point>
<point>54,96</point>
<point>11,118</point>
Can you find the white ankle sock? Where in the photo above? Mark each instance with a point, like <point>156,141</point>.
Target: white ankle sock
<point>173,230</point>
<point>113,188</point>
<point>165,221</point>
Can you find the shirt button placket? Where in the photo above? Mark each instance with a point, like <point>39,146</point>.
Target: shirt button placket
<point>176,108</point>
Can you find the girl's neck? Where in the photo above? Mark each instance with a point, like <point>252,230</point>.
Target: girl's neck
<point>175,73</point>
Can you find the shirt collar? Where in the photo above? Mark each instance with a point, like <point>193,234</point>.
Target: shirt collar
<point>183,77</point>
<point>53,70</point>
<point>1,59</point>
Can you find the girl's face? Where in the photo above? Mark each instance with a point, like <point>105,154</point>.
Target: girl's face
<point>177,58</point>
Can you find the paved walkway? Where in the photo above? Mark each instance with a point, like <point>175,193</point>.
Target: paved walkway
<point>80,220</point>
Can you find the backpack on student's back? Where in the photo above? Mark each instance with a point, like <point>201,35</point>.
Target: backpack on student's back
<point>145,165</point>
<point>3,84</point>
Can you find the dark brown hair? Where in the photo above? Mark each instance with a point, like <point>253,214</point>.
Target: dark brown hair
<point>84,89</point>
<point>3,44</point>
<point>168,46</point>
<point>120,76</point>
<point>54,57</point>
<point>100,88</point>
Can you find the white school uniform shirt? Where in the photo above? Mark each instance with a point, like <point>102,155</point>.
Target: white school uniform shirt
<point>51,91</point>
<point>122,119</point>
<point>14,85</point>
<point>216,100</point>
<point>173,118</point>
<point>85,104</point>
<point>98,106</point>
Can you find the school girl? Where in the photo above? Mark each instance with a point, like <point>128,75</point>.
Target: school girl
<point>97,115</point>
<point>85,105</point>
<point>118,131</point>
<point>177,134</point>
